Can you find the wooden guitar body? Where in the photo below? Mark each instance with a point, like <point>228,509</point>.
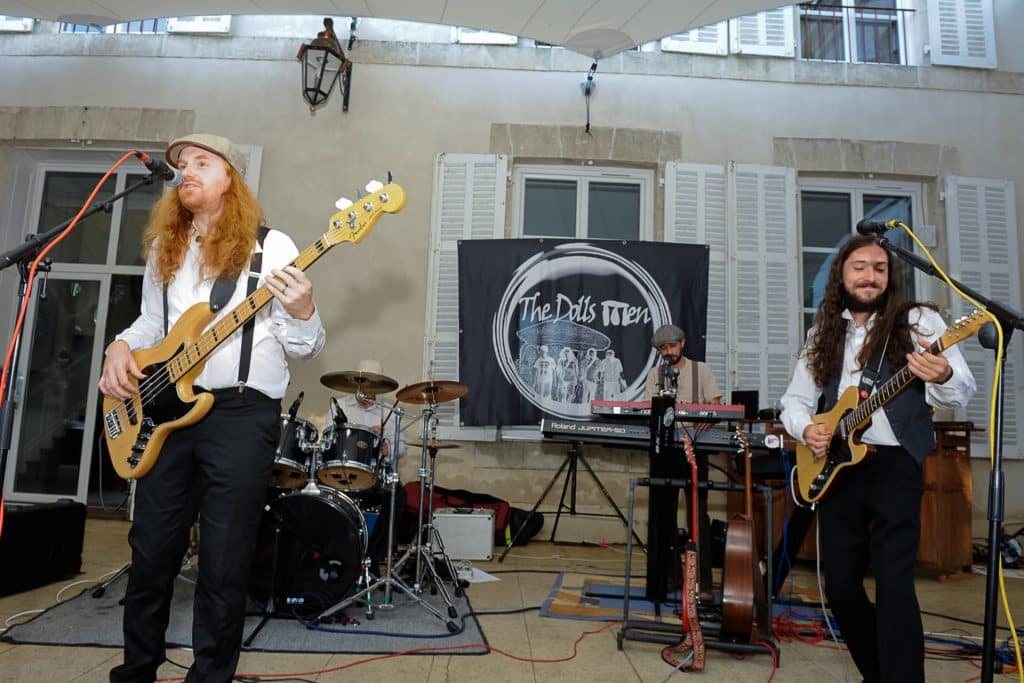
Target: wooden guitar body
<point>135,443</point>
<point>814,475</point>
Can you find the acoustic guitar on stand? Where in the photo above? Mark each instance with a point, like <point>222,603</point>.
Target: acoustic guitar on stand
<point>849,418</point>
<point>135,429</point>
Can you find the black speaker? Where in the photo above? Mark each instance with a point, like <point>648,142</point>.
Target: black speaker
<point>40,544</point>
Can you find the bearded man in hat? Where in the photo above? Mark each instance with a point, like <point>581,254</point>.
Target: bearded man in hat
<point>695,383</point>
<point>695,380</point>
<point>207,229</point>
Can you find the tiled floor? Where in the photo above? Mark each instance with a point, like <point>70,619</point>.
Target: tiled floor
<point>526,646</point>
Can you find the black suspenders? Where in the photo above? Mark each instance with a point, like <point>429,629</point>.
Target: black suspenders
<point>255,268</point>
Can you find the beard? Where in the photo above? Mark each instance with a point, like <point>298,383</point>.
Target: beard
<point>857,305</point>
<point>672,358</point>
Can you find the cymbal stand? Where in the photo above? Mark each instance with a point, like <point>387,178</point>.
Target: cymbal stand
<point>427,545</point>
<point>390,577</point>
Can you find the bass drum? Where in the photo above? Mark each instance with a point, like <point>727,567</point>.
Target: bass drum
<point>320,550</point>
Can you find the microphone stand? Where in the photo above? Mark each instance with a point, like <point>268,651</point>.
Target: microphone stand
<point>1010,320</point>
<point>22,256</point>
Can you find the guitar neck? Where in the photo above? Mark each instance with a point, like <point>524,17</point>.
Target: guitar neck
<point>197,351</point>
<point>884,393</point>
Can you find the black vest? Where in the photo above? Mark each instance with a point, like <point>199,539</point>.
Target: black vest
<point>909,416</point>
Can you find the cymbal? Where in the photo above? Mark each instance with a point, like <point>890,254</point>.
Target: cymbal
<point>433,391</point>
<point>435,445</point>
<point>351,381</point>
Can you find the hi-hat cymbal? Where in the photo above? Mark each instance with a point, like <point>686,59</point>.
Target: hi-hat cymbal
<point>433,391</point>
<point>435,445</point>
<point>351,381</point>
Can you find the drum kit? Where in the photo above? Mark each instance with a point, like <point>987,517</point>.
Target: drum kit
<point>311,558</point>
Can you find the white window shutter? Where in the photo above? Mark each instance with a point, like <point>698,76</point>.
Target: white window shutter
<point>766,33</point>
<point>695,214</point>
<point>982,227</point>
<point>962,33</point>
<point>709,40</point>
<point>468,203</point>
<point>764,298</point>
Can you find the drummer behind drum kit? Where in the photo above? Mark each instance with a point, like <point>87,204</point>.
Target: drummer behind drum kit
<point>311,556</point>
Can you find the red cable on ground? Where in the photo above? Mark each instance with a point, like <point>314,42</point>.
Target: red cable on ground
<point>437,650</point>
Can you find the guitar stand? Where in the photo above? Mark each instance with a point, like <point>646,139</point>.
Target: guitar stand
<point>571,468</point>
<point>658,631</point>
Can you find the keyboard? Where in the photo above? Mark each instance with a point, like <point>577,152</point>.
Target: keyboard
<point>638,435</point>
<point>691,412</point>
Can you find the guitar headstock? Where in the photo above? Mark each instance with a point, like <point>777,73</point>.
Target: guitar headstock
<point>691,458</point>
<point>354,220</point>
<point>743,441</point>
<point>963,328</point>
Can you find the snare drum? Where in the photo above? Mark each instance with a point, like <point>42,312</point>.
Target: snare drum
<point>350,458</point>
<point>294,452</point>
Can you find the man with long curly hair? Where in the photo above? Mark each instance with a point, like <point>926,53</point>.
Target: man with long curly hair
<point>218,469</point>
<point>870,517</point>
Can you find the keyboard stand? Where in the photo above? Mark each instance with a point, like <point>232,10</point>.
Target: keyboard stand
<point>571,468</point>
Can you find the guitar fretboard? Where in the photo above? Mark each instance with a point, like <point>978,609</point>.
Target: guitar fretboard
<point>197,351</point>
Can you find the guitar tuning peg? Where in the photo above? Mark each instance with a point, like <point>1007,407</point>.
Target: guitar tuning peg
<point>374,186</point>
<point>343,203</point>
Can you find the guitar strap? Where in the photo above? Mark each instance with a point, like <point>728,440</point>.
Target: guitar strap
<point>869,376</point>
<point>694,381</point>
<point>221,294</point>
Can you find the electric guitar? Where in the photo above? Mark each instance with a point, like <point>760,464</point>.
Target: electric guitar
<point>135,429</point>
<point>848,419</point>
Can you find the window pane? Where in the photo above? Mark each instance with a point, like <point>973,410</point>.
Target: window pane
<point>826,218</point>
<point>63,196</point>
<point>613,211</point>
<point>549,208</point>
<point>133,221</point>
<point>816,265</point>
<point>821,37</point>
<point>877,37</point>
<point>883,208</point>
<point>57,386</point>
<point>125,300</point>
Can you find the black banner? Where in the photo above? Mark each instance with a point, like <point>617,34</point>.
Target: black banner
<point>549,325</point>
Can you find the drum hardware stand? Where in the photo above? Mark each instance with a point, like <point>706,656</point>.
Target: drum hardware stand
<point>271,604</point>
<point>423,545</point>
<point>390,576</point>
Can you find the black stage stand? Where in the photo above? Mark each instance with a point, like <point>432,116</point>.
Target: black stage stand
<point>270,607</point>
<point>571,467</point>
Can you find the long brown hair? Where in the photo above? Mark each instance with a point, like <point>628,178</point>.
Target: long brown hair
<point>227,247</point>
<point>828,340</point>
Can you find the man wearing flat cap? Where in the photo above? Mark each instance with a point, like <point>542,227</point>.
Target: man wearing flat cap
<point>208,230</point>
<point>694,383</point>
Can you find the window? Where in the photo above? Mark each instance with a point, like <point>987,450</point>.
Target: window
<point>767,33</point>
<point>584,203</point>
<point>140,26</point>
<point>874,31</point>
<point>829,212</point>
<point>215,23</point>
<point>16,24</point>
<point>473,36</point>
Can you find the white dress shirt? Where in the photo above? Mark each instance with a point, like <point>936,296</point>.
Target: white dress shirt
<point>276,333</point>
<point>799,403</point>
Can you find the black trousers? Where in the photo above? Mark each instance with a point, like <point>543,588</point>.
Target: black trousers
<point>872,519</point>
<point>218,469</point>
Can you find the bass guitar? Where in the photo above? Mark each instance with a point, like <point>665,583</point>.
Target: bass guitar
<point>135,429</point>
<point>849,418</point>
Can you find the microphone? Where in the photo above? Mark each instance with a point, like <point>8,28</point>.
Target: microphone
<point>295,406</point>
<point>870,227</point>
<point>159,168</point>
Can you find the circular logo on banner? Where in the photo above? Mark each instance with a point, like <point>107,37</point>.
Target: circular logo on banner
<point>574,325</point>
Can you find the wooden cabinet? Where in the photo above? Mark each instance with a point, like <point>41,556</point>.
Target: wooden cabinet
<point>946,506</point>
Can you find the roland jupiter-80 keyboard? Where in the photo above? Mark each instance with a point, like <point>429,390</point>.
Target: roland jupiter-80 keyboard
<point>631,434</point>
